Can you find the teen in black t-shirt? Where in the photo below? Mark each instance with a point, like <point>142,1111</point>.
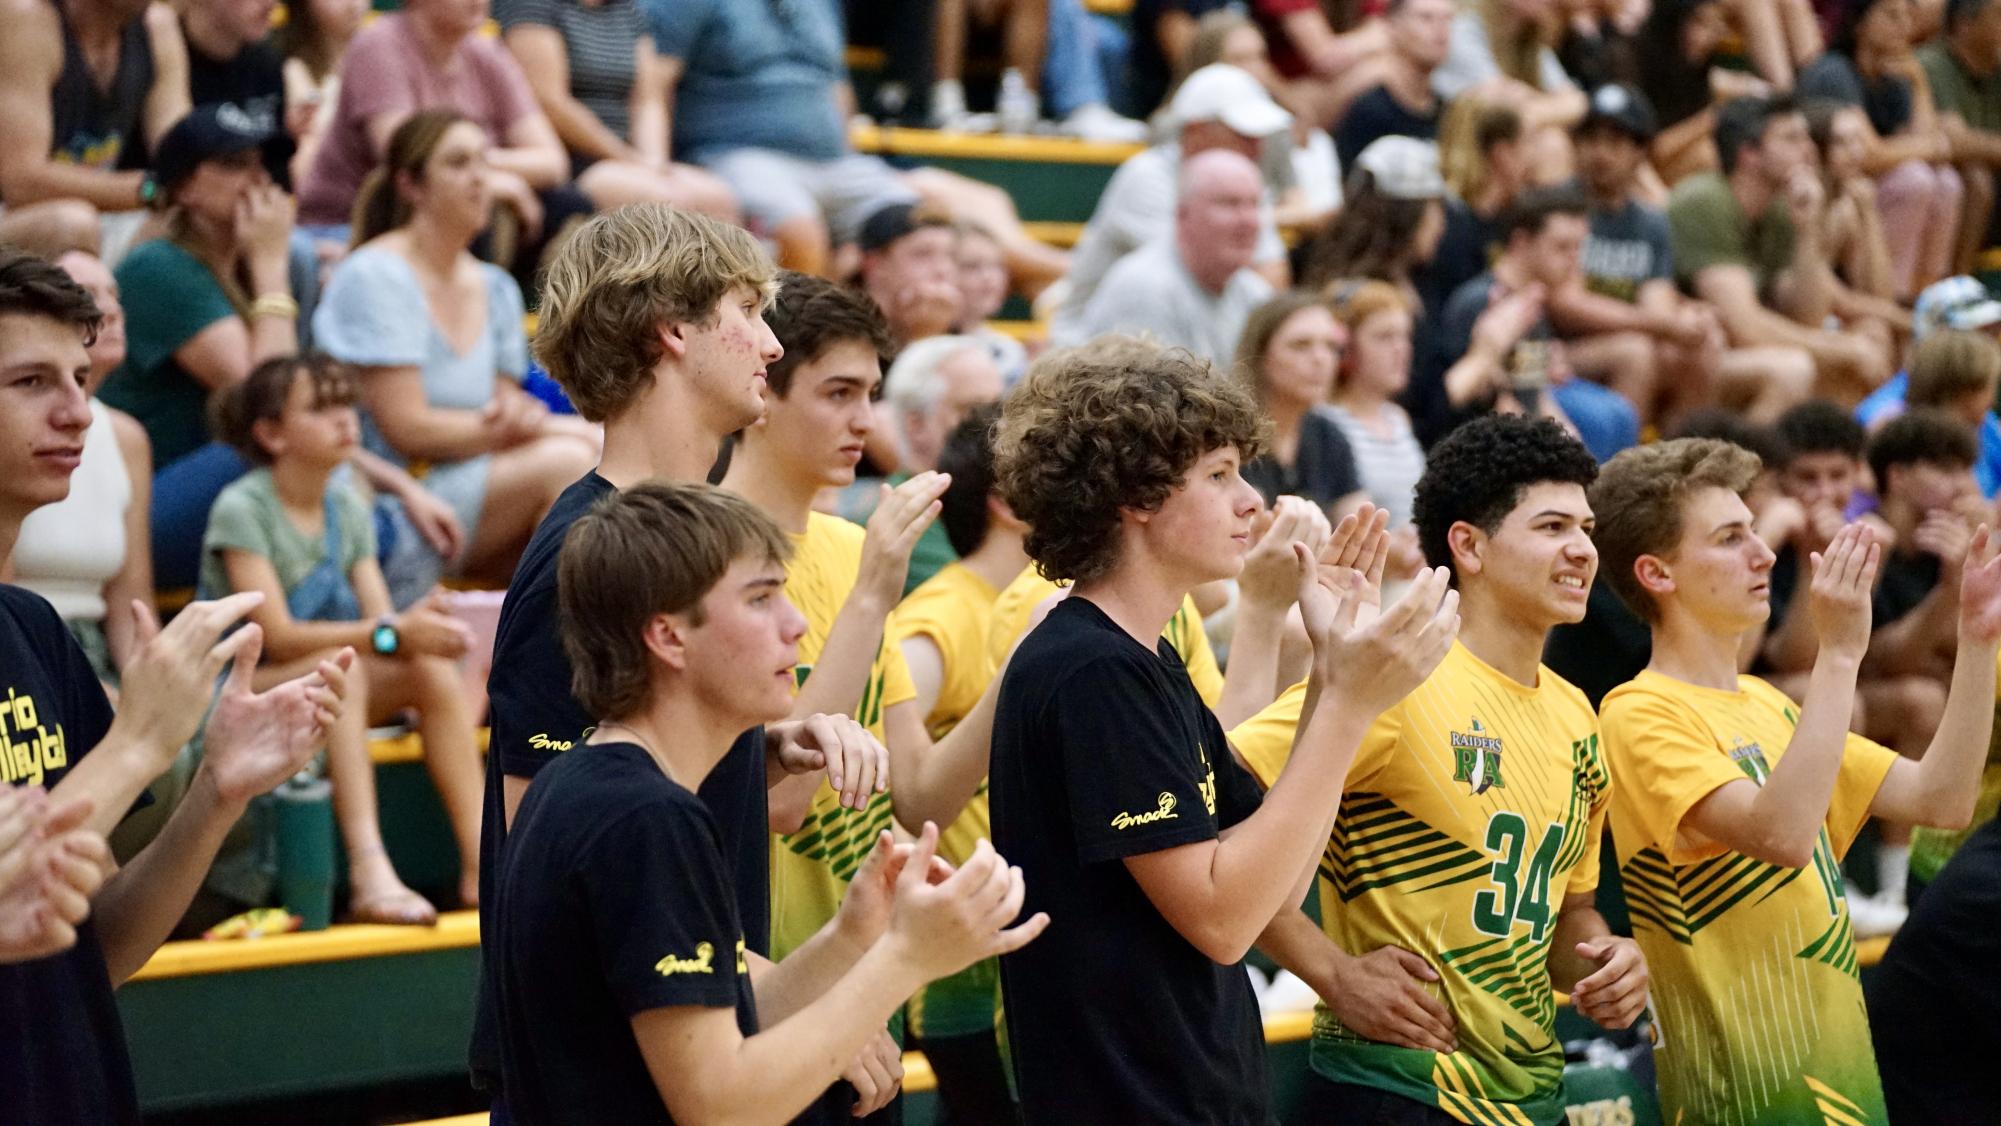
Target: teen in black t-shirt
<point>625,903</point>
<point>665,412</point>
<point>65,1060</point>
<point>1114,787</point>
<point>622,980</point>
<point>1103,750</point>
<point>534,722</point>
<point>64,1057</point>
<point>1935,1001</point>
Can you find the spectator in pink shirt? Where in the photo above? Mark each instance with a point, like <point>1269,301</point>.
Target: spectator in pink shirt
<point>431,56</point>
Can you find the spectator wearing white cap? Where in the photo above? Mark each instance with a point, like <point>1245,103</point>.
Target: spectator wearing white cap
<point>1392,221</point>
<point>1957,304</point>
<point>1219,107</point>
<point>1194,287</point>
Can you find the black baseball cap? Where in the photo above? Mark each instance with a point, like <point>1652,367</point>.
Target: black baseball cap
<point>210,132</point>
<point>1622,107</point>
<point>891,223</point>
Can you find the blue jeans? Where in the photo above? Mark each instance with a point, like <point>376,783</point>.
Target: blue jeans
<point>183,492</point>
<point>1071,76</point>
<point>1604,419</point>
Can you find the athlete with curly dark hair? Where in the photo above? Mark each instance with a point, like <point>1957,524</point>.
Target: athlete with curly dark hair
<point>1113,785</point>
<point>1457,886</point>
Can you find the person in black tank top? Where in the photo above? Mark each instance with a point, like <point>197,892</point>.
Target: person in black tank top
<point>97,125</point>
<point>95,96</point>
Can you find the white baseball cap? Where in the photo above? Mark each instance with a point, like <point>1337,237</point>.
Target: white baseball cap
<point>1221,92</point>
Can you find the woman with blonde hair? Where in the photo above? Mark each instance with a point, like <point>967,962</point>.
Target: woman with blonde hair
<point>1484,158</point>
<point>1500,52</point>
<point>1287,358</point>
<point>436,338</point>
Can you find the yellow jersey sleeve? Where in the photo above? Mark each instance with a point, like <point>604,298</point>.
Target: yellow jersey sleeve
<point>1185,633</point>
<point>1864,765</point>
<point>897,687</point>
<point>1264,741</point>
<point>1665,763</point>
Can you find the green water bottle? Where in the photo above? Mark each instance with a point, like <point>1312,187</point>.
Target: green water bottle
<point>306,837</point>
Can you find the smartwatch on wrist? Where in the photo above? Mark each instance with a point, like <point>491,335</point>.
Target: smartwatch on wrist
<point>383,638</point>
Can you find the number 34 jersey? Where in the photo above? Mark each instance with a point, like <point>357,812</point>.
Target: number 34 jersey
<point>1473,808</point>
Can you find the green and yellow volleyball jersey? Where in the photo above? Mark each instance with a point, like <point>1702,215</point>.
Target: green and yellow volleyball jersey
<point>1754,972</point>
<point>1472,809</point>
<point>810,869</point>
<point>954,610</point>
<point>1016,605</point>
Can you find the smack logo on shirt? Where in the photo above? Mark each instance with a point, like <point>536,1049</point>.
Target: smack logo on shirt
<point>705,953</point>
<point>1476,759</point>
<point>542,742</point>
<point>1162,812</point>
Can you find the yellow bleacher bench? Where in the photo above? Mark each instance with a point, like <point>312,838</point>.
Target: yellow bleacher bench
<point>454,930</point>
<point>893,140</point>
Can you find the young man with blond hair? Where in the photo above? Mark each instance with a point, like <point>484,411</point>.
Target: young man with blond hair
<point>652,321</point>
<point>1113,782</point>
<point>1734,806</point>
<point>624,986</point>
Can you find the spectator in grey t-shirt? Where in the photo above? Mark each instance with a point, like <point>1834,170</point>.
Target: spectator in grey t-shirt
<point>1195,288</point>
<point>1218,107</point>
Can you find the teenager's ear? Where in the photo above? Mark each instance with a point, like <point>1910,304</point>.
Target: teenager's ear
<point>674,338</point>
<point>999,513</point>
<point>1466,542</point>
<point>667,640</point>
<point>1654,575</point>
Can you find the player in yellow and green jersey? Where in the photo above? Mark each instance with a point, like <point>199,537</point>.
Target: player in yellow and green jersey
<point>1734,806</point>
<point>941,628</point>
<point>1464,857</point>
<point>846,581</point>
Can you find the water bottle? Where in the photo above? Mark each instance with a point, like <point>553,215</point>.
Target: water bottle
<point>306,848</point>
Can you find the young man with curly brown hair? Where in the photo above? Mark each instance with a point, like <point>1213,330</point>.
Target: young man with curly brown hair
<point>1113,785</point>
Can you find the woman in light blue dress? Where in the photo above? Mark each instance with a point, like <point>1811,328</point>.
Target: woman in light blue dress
<point>437,338</point>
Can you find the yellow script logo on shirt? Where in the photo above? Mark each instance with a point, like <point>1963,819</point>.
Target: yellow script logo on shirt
<point>1164,812</point>
<point>699,964</point>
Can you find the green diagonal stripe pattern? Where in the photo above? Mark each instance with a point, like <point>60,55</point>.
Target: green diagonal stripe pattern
<point>840,838</point>
<point>1378,845</point>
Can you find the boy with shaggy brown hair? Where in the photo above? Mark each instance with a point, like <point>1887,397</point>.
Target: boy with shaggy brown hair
<point>652,319</point>
<point>1734,806</point>
<point>1113,785</point>
<point>624,986</point>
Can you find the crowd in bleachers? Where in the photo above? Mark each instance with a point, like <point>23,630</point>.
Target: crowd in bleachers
<point>313,234</point>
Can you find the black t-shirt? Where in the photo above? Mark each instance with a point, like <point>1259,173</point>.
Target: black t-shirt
<point>1935,1001</point>
<point>1375,115</point>
<point>1785,580</point>
<point>616,898</point>
<point>1149,70</point>
<point>1103,750</point>
<point>65,1057</point>
<point>1432,414</point>
<point>1906,579</point>
<point>1322,469</point>
<point>254,82</point>
<point>535,719</point>
<point>1606,649</point>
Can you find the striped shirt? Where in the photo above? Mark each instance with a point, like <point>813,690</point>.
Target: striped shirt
<point>598,38</point>
<point>1389,466</point>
